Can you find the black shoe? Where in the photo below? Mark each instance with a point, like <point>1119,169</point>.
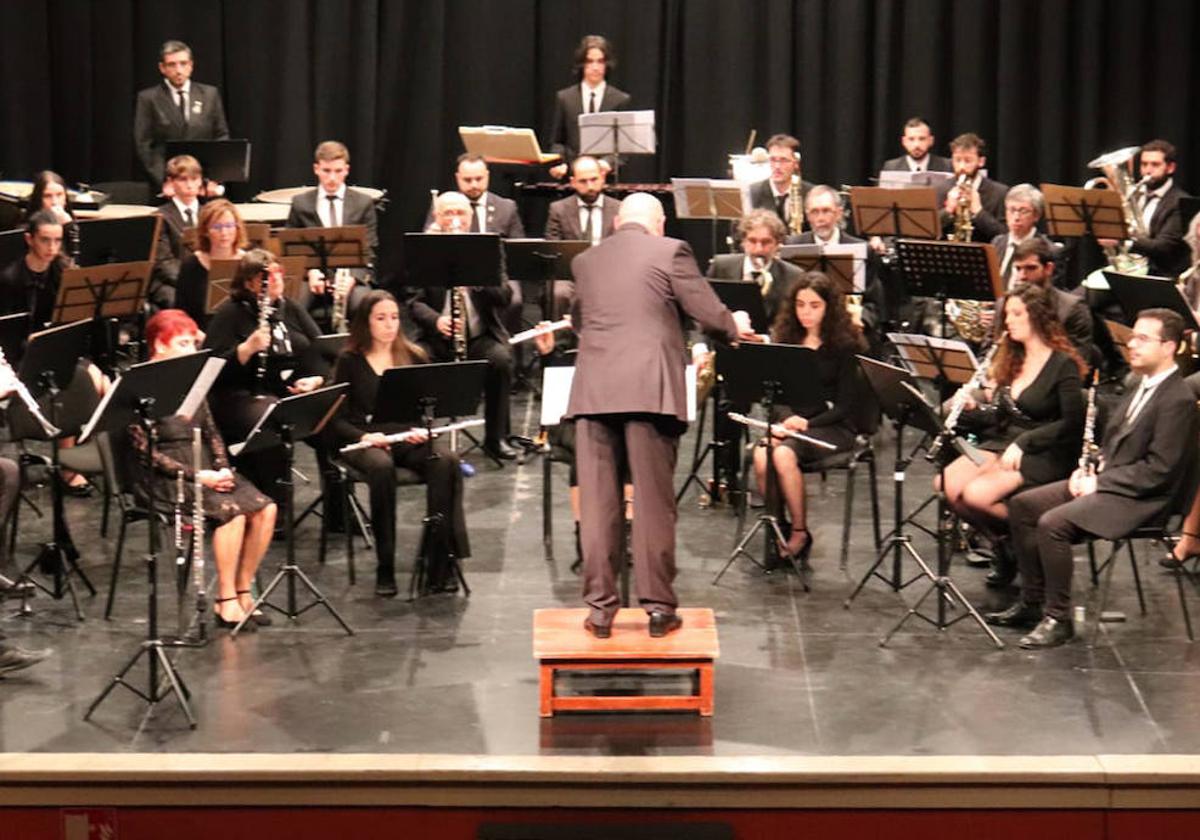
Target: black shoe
<point>79,491</point>
<point>600,631</point>
<point>976,559</point>
<point>1004,567</point>
<point>1020,615</point>
<point>1050,632</point>
<point>500,450</point>
<point>16,589</point>
<point>13,658</point>
<point>662,623</point>
<point>258,616</point>
<point>385,584</point>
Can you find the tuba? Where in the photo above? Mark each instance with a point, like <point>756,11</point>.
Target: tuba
<point>1116,167</point>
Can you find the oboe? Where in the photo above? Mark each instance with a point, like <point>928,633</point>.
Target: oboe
<point>959,401</point>
<point>1089,454</point>
<point>198,536</point>
<point>404,437</point>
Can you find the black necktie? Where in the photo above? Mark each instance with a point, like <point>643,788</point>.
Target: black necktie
<point>182,107</point>
<point>781,207</point>
<point>475,217</point>
<point>333,216</point>
<point>592,103</point>
<point>188,219</point>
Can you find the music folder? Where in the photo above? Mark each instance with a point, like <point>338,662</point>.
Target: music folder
<point>227,161</point>
<point>504,144</point>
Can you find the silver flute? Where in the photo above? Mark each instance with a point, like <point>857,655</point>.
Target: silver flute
<point>534,332</point>
<point>9,377</point>
<point>403,437</point>
<point>779,429</point>
<point>198,576</point>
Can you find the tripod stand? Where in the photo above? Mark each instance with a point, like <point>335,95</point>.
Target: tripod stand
<point>301,415</point>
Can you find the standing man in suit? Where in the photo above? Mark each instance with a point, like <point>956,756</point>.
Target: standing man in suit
<point>589,215</point>
<point>986,196</point>
<point>783,155</point>
<point>593,60</point>
<point>632,290</point>
<point>487,337</point>
<point>1149,447</point>
<point>917,140</point>
<point>177,109</point>
<point>333,204</point>
<point>1158,206</point>
<point>178,216</point>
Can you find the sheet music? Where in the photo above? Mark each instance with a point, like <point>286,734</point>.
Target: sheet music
<point>208,375</point>
<point>236,449</point>
<point>86,433</point>
<point>904,179</point>
<point>556,392</point>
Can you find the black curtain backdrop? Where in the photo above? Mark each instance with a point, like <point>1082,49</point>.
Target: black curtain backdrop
<point>1048,83</point>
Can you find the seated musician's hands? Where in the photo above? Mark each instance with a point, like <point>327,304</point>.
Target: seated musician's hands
<point>1108,243</point>
<point>218,481</point>
<point>316,281</point>
<point>445,325</point>
<point>1081,484</point>
<point>545,342</point>
<point>877,245</point>
<point>258,341</point>
<point>306,384</point>
<point>417,435</point>
<point>796,423</point>
<point>1011,458</point>
<point>375,439</point>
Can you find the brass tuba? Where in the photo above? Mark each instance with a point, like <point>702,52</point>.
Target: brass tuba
<point>1116,166</point>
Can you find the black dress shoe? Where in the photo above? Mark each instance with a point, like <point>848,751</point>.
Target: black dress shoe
<point>662,623</point>
<point>500,450</point>
<point>1004,567</point>
<point>1020,615</point>
<point>600,631</point>
<point>1050,632</point>
<point>13,658</point>
<point>385,584</point>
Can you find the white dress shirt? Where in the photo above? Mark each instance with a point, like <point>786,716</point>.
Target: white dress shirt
<point>187,97</point>
<point>587,96</point>
<point>1150,204</point>
<point>323,206</point>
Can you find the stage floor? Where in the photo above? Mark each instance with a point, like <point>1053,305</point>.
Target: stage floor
<point>798,674</point>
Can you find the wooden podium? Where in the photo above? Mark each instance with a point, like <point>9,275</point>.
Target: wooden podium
<point>560,643</point>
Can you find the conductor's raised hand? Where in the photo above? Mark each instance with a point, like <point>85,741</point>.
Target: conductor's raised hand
<point>745,332</point>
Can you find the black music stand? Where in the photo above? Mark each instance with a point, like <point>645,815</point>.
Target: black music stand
<point>842,268</point>
<point>14,329</point>
<point>950,270</point>
<point>125,240</point>
<point>543,261</point>
<point>1137,292</point>
<point>283,423</point>
<point>326,249</point>
<point>740,296</point>
<point>144,395</point>
<point>769,374</point>
<point>455,260</point>
<point>418,394</point>
<point>47,367</point>
<point>708,198</point>
<point>225,161</point>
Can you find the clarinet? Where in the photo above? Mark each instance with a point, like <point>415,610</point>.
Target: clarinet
<point>959,402</point>
<point>1089,454</point>
<point>198,536</point>
<point>265,311</point>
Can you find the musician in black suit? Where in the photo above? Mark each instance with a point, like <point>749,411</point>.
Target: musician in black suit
<point>333,204</point>
<point>177,109</point>
<point>917,140</point>
<point>1146,463</point>
<point>1158,207</point>
<point>593,60</point>
<point>486,335</point>
<point>783,155</point>
<point>1023,209</point>
<point>986,197</point>
<point>588,215</point>
<point>179,214</point>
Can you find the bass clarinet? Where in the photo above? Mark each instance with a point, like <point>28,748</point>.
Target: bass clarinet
<point>959,401</point>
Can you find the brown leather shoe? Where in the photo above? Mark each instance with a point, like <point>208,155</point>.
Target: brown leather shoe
<point>663,623</point>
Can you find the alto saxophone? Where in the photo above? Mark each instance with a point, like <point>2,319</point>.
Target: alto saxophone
<point>959,402</point>
<point>343,280</point>
<point>964,228</point>
<point>1089,454</point>
<point>795,206</point>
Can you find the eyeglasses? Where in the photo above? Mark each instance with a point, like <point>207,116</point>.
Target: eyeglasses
<point>1019,211</point>
<point>1140,338</point>
<point>223,226</point>
<point>781,160</point>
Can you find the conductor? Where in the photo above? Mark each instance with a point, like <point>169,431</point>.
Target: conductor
<point>633,291</point>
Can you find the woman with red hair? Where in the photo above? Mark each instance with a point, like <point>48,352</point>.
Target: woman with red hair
<point>244,517</point>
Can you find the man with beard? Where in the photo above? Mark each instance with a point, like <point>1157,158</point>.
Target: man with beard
<point>1158,207</point>
<point>917,140</point>
<point>587,215</point>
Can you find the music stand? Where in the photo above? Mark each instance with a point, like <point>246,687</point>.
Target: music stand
<point>740,296</point>
<point>616,133</point>
<point>47,367</point>
<point>911,213</point>
<point>418,394</point>
<point>845,264</point>
<point>769,374</point>
<point>130,239</point>
<point>14,329</point>
<point>283,423</point>
<point>225,161</point>
<point>708,198</point>
<point>1077,212</point>
<point>1120,336</point>
<point>449,261</point>
<point>325,248</point>
<point>144,394</point>
<point>1137,292</point>
<point>503,144</point>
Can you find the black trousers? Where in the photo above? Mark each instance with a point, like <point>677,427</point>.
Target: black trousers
<point>443,495</point>
<point>497,384</point>
<point>1042,532</point>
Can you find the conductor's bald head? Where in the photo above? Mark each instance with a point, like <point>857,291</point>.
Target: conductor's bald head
<point>641,209</point>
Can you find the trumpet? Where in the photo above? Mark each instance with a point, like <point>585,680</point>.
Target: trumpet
<point>10,381</point>
<point>405,437</point>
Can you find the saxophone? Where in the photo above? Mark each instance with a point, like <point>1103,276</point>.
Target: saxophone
<point>959,402</point>
<point>1089,455</point>
<point>795,206</point>
<point>964,228</point>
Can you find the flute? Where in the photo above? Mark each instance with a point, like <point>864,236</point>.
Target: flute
<point>198,575</point>
<point>777,428</point>
<point>402,437</point>
<point>534,332</point>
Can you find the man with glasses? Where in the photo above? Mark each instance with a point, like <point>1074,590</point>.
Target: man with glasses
<point>1149,446</point>
<point>1023,209</point>
<point>783,154</point>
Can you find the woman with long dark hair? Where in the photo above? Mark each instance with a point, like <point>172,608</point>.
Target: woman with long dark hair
<point>377,342</point>
<point>814,316</point>
<point>1029,419</point>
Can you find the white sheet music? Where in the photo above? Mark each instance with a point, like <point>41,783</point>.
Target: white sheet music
<point>556,392</point>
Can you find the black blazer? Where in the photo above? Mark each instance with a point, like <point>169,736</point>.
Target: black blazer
<point>357,209</point>
<point>989,221</point>
<point>502,217</point>
<point>425,307</point>
<point>762,197</point>
<point>563,219</point>
<point>783,273</point>
<point>1165,247</point>
<point>937,163</point>
<point>169,254</point>
<point>156,120</point>
<point>568,105</point>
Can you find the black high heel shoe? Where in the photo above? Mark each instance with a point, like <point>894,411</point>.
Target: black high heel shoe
<point>224,623</point>
<point>258,616</point>
<point>1172,561</point>
<point>799,558</point>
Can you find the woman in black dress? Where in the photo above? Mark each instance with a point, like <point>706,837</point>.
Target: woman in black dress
<point>284,350</point>
<point>817,319</point>
<point>1029,419</point>
<point>244,517</point>
<point>377,343</point>
<point>220,235</point>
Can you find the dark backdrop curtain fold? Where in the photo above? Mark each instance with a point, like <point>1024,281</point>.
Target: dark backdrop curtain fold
<point>1048,83</point>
